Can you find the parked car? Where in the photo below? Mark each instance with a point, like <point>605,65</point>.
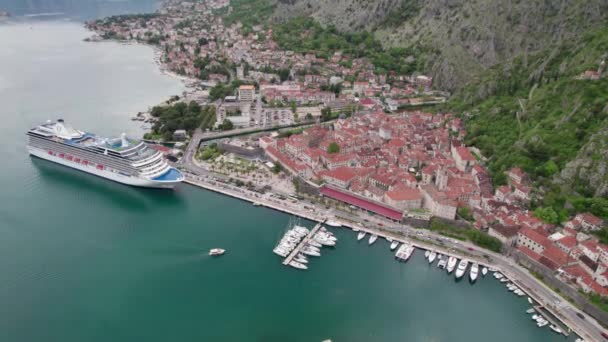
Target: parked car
<point>580,315</point>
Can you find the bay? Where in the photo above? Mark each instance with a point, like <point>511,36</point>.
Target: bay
<point>85,259</point>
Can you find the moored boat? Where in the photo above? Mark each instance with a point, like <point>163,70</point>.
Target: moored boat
<point>473,273</point>
<point>332,223</point>
<point>484,271</point>
<point>442,263</point>
<point>372,238</point>
<point>123,160</point>
<point>531,310</point>
<point>432,257</point>
<point>360,236</point>
<point>462,267</point>
<point>555,329</point>
<point>394,245</point>
<point>298,265</point>
<point>451,264</point>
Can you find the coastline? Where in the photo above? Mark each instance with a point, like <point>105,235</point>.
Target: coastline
<point>512,271</point>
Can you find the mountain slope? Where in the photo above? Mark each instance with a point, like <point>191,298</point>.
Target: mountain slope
<point>535,112</point>
<point>469,35</point>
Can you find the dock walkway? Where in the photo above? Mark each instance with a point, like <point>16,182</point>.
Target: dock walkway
<point>302,243</point>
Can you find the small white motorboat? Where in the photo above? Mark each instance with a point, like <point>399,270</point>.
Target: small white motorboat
<point>298,265</point>
<point>333,223</point>
<point>394,245</point>
<point>360,236</point>
<point>389,239</point>
<point>484,271</point>
<point>432,257</point>
<point>462,267</point>
<point>542,324</point>
<point>497,275</point>
<point>530,310</point>
<point>426,254</point>
<point>372,238</point>
<point>474,272</point>
<point>216,251</point>
<point>451,264</point>
<point>555,329</point>
<point>530,300</point>
<point>442,263</point>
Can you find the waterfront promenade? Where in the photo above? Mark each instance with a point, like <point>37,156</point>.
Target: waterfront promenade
<point>564,311</point>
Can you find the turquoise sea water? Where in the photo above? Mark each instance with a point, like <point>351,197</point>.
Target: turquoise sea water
<point>85,259</point>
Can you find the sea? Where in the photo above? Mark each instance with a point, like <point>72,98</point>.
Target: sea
<point>86,259</point>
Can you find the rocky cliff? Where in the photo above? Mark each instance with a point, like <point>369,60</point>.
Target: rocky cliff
<point>469,36</point>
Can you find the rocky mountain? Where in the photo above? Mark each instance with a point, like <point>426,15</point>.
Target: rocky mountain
<point>468,36</point>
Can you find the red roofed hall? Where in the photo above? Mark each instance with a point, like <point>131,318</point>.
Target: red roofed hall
<point>362,203</point>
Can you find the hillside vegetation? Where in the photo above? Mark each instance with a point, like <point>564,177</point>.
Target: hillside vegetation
<point>535,113</point>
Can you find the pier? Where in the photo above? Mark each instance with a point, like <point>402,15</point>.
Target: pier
<point>302,243</point>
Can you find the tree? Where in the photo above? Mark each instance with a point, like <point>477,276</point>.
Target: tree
<point>326,113</point>
<point>308,117</point>
<point>226,125</point>
<point>333,147</point>
<point>547,214</point>
<point>277,168</point>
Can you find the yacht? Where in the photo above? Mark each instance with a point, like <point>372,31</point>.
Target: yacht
<point>426,254</point>
<point>504,279</point>
<point>394,245</point>
<point>298,265</point>
<point>301,258</point>
<point>474,272</point>
<point>217,251</point>
<point>372,238</point>
<point>462,267</point>
<point>360,236</point>
<point>442,263</point>
<point>484,271</point>
<point>529,311</point>
<point>315,243</point>
<point>451,264</point>
<point>404,252</point>
<point>530,300</point>
<point>497,275</point>
<point>432,257</point>
<point>308,251</point>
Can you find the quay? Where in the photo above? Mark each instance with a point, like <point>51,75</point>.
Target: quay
<point>535,289</point>
<point>549,316</point>
<point>302,243</point>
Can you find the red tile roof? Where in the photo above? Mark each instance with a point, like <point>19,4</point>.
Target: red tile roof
<point>534,236</point>
<point>464,153</point>
<point>361,203</point>
<point>404,194</point>
<point>568,241</point>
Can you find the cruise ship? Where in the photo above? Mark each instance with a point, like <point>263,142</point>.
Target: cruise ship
<point>123,160</point>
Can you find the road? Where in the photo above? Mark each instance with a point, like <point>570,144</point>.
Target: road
<point>588,328</point>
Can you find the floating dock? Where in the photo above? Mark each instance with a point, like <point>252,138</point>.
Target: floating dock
<point>302,243</point>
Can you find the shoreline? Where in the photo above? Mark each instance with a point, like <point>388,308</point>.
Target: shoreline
<point>523,284</point>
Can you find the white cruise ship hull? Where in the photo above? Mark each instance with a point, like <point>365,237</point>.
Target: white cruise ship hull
<point>117,177</point>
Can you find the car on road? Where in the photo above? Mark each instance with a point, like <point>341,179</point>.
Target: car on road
<point>604,335</point>
<point>580,315</point>
<point>471,248</point>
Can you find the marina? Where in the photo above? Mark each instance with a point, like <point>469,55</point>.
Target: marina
<point>449,260</point>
